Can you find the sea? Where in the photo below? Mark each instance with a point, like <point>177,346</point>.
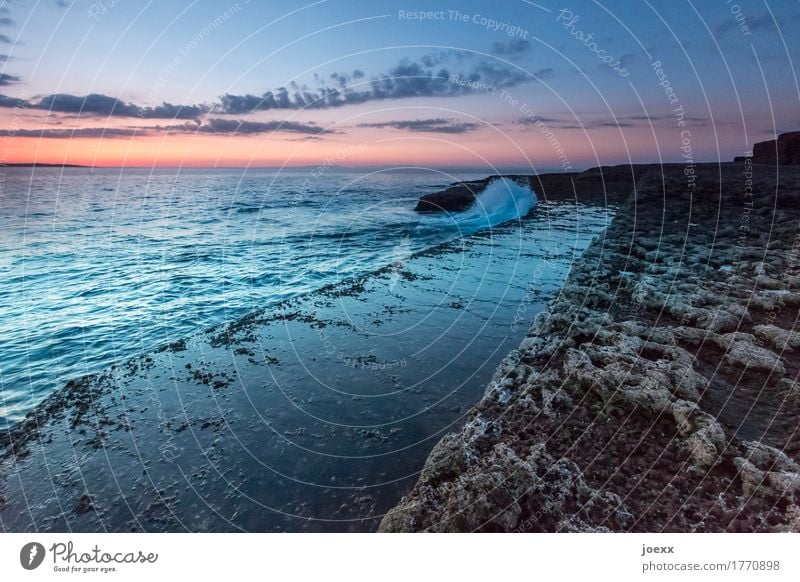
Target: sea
<point>100,265</point>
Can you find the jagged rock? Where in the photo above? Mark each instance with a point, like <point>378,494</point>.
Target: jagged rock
<point>694,336</point>
<point>705,437</point>
<point>752,478</point>
<point>779,339</point>
<point>640,378</point>
<point>769,458</point>
<point>502,491</point>
<point>742,352</point>
<point>767,470</point>
<point>456,198</point>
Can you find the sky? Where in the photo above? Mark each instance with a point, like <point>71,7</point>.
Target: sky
<point>502,84</point>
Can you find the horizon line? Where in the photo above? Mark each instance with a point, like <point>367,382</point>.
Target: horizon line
<point>548,169</point>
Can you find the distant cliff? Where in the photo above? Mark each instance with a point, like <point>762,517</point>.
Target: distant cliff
<point>783,151</point>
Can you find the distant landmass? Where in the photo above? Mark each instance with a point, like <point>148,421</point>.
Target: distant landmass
<point>35,165</point>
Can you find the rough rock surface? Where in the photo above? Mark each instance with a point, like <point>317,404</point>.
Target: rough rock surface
<point>659,392</point>
<point>455,198</point>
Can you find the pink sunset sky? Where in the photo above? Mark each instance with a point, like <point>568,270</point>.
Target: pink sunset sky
<point>349,83</point>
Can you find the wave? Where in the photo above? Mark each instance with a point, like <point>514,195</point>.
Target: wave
<point>501,201</point>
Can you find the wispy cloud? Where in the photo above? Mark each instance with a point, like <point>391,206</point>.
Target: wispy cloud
<point>5,22</point>
<point>81,132</point>
<point>535,120</point>
<point>98,104</point>
<point>11,102</point>
<point>621,122</point>
<point>761,22</point>
<point>233,127</point>
<point>512,48</point>
<point>665,117</point>
<point>427,76</point>
<point>437,125</point>
<point>212,126</point>
<point>405,80</point>
<point>6,79</point>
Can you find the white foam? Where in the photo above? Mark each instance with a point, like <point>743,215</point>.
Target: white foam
<point>502,200</point>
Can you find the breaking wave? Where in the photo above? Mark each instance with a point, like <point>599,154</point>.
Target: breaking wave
<point>502,201</point>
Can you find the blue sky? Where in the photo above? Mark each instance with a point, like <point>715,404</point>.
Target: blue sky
<point>738,84</point>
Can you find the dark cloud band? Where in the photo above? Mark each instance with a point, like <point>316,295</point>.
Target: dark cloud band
<point>212,126</point>
<point>437,125</point>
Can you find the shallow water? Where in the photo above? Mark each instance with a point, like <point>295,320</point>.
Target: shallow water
<point>314,415</point>
<point>101,265</point>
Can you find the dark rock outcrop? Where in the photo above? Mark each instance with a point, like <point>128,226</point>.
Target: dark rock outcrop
<point>455,198</point>
<point>784,151</point>
<point>658,393</point>
<point>602,185</point>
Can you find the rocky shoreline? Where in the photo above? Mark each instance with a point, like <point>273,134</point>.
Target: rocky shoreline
<point>659,392</point>
<point>603,185</point>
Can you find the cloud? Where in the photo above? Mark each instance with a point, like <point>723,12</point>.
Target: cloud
<point>97,104</point>
<point>307,138</point>
<point>624,61</point>
<point>439,57</point>
<point>512,48</point>
<point>80,132</point>
<point>232,126</point>
<point>621,122</point>
<point>8,79</point>
<point>426,77</point>
<point>5,22</point>
<point>437,125</point>
<point>536,120</point>
<point>11,102</point>
<point>612,124</point>
<point>102,105</point>
<point>762,22</point>
<point>543,74</point>
<point>666,117</point>
<point>405,80</point>
<point>502,77</point>
<point>212,126</point>
<point>588,125</point>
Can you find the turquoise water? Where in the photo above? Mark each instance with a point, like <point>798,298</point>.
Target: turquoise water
<point>101,265</point>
